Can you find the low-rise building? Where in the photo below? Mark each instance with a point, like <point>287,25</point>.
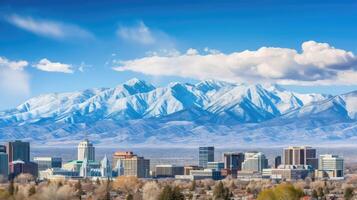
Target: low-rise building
<point>218,166</point>
<point>187,169</point>
<point>292,172</point>
<point>166,171</point>
<point>206,174</point>
<point>48,162</point>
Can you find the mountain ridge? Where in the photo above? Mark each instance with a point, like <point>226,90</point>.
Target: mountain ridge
<point>181,113</point>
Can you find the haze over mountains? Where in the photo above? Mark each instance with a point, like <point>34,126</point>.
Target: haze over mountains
<point>209,112</point>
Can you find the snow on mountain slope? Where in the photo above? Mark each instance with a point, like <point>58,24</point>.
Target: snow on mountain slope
<point>138,112</point>
<point>137,99</point>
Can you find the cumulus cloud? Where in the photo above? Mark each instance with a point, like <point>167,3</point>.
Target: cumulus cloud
<point>14,81</point>
<point>317,63</point>
<point>47,28</point>
<point>49,66</point>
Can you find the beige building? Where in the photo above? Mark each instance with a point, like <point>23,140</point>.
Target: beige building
<point>132,164</point>
<point>291,172</point>
<point>301,155</point>
<point>120,155</point>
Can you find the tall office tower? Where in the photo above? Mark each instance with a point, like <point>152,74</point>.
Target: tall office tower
<point>136,166</point>
<point>254,161</point>
<point>105,167</point>
<point>331,166</point>
<point>18,150</point>
<point>233,161</point>
<point>119,155</point>
<point>86,150</point>
<point>2,149</point>
<point>277,161</point>
<point>206,154</point>
<point>4,165</point>
<point>300,156</point>
<point>48,162</point>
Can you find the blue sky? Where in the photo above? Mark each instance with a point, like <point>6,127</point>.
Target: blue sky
<point>73,45</point>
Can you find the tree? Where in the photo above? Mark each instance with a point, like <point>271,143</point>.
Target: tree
<point>32,190</point>
<point>129,197</point>
<point>78,187</point>
<point>314,194</point>
<point>11,188</point>
<point>282,191</point>
<point>151,191</point>
<point>169,193</point>
<point>221,192</point>
<point>128,184</point>
<point>348,193</point>
<point>97,181</point>
<point>193,185</point>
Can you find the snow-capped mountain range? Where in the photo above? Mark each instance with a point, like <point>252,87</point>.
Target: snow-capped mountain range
<point>209,112</point>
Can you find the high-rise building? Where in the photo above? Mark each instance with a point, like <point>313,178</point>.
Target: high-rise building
<point>105,167</point>
<point>277,161</point>
<point>119,155</point>
<point>136,166</point>
<point>86,150</point>
<point>330,166</point>
<point>2,148</point>
<point>206,154</point>
<point>303,155</point>
<point>233,161</point>
<point>254,161</point>
<point>48,162</point>
<point>18,150</point>
<point>4,165</point>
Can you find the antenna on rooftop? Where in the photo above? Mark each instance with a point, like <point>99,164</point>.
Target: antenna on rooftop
<point>85,135</point>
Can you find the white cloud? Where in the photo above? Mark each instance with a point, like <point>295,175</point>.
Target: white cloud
<point>139,34</point>
<point>48,28</point>
<point>15,65</point>
<point>14,81</point>
<point>318,63</point>
<point>48,66</point>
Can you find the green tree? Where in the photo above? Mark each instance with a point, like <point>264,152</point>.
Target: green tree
<point>348,193</point>
<point>282,191</point>
<point>32,190</point>
<point>129,197</point>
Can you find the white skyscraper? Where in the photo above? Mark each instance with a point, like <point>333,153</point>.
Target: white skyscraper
<point>86,150</point>
<point>254,161</point>
<point>105,167</point>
